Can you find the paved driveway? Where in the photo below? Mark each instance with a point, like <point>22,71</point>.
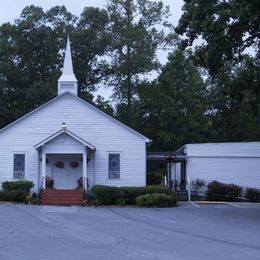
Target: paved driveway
<point>230,231</point>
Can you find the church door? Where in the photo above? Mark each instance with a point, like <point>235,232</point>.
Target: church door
<point>67,169</point>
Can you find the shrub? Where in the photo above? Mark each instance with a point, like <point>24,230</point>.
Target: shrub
<point>1,195</point>
<point>106,195</point>
<point>32,199</point>
<point>121,202</point>
<point>15,195</point>
<point>223,192</point>
<point>144,201</point>
<point>23,185</point>
<point>129,194</point>
<point>156,189</point>
<point>253,194</point>
<point>89,200</point>
<point>80,183</point>
<point>49,182</point>
<point>154,178</point>
<point>156,200</point>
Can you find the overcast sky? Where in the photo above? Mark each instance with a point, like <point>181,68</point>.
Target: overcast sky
<point>11,10</point>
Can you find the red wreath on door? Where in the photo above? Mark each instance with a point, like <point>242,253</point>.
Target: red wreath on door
<point>74,164</point>
<point>59,164</point>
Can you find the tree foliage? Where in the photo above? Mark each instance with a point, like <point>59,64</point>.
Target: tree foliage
<point>228,29</point>
<point>117,46</point>
<point>31,60</point>
<point>136,37</point>
<point>173,110</point>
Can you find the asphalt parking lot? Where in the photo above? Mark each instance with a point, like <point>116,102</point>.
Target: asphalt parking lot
<point>190,231</point>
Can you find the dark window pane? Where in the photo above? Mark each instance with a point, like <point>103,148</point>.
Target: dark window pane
<point>114,166</point>
<point>19,166</point>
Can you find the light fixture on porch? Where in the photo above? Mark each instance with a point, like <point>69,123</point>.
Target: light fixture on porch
<point>169,157</point>
<point>63,126</point>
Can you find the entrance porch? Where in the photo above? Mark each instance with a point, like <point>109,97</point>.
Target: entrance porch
<point>65,161</point>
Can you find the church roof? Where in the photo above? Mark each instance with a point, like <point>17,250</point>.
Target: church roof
<point>81,100</point>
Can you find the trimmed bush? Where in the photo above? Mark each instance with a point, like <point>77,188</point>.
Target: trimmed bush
<point>15,195</point>
<point>130,194</point>
<point>156,200</point>
<point>23,185</point>
<point>156,189</point>
<point>144,201</point>
<point>223,192</point>
<point>106,195</point>
<point>253,194</point>
<point>109,195</point>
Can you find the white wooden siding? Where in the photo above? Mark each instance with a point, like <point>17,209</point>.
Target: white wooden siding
<point>85,121</point>
<point>237,163</point>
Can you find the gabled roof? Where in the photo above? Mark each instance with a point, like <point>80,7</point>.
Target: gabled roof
<point>66,131</point>
<point>83,101</point>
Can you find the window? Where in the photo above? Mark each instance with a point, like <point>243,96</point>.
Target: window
<point>114,166</point>
<point>19,166</point>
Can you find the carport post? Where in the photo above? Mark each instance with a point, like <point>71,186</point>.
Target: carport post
<point>169,159</point>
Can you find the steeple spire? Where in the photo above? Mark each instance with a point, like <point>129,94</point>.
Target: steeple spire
<point>67,65</point>
<point>67,81</point>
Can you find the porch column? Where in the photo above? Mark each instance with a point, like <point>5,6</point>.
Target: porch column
<point>183,175</point>
<point>43,180</point>
<point>85,169</point>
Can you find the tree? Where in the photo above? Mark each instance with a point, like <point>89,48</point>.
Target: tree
<point>31,57</point>
<point>228,48</point>
<point>104,105</point>
<point>173,110</point>
<point>235,101</point>
<point>135,38</point>
<point>227,29</point>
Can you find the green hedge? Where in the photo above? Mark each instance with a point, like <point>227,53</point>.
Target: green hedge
<point>253,194</point>
<point>129,194</point>
<point>16,191</point>
<point>156,200</point>
<point>109,195</point>
<point>14,195</point>
<point>106,195</point>
<point>218,191</point>
<point>23,185</point>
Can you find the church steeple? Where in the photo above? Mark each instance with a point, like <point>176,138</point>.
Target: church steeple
<point>67,81</point>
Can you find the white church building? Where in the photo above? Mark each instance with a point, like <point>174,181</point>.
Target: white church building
<point>67,139</point>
